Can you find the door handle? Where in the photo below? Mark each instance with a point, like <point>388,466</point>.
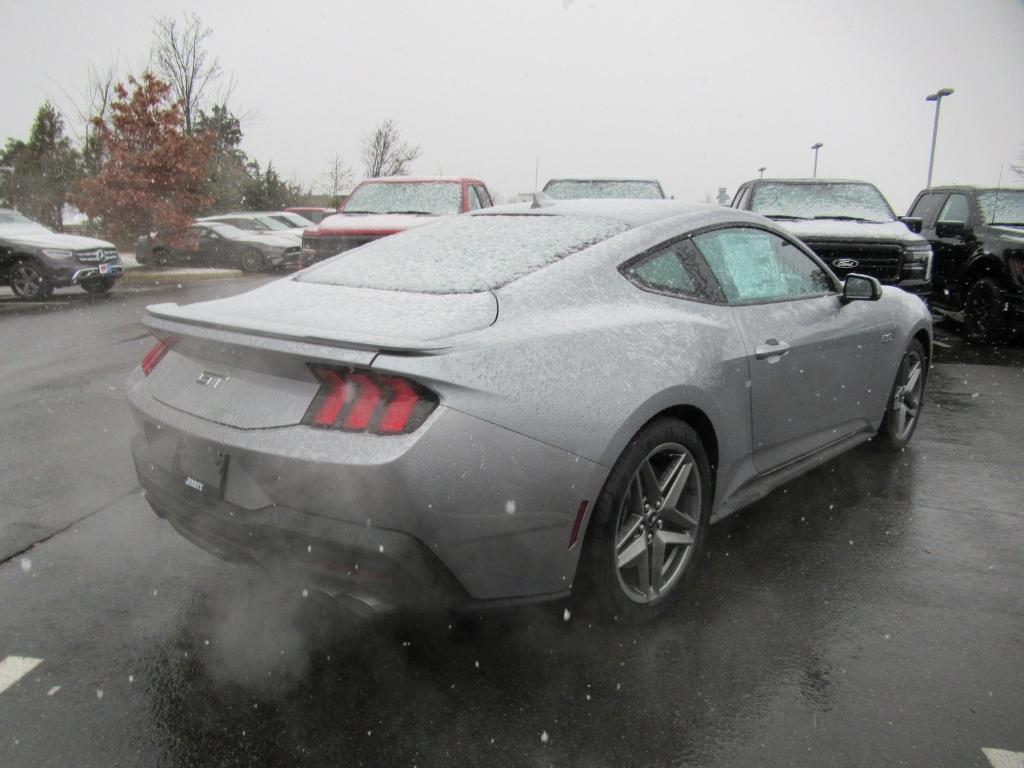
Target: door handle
<point>771,348</point>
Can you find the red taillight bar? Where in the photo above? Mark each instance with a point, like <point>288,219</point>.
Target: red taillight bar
<point>362,401</point>
<point>156,354</point>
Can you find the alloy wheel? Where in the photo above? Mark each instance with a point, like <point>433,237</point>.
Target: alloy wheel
<point>906,399</point>
<point>26,280</point>
<point>657,523</point>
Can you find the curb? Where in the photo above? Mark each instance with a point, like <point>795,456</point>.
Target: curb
<point>157,276</point>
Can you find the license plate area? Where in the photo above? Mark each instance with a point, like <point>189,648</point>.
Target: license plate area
<point>201,467</point>
<point>104,269</point>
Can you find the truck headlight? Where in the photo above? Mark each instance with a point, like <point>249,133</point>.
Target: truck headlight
<point>917,262</point>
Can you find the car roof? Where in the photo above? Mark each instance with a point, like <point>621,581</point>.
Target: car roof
<point>969,188</point>
<point>633,212</point>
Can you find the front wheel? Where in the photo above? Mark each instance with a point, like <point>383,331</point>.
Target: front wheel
<point>29,281</point>
<point>984,320</point>
<point>905,400</point>
<point>649,523</point>
<point>253,261</point>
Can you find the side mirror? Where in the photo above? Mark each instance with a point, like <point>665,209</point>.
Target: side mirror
<point>861,288</point>
<point>952,229</point>
<point>914,223</point>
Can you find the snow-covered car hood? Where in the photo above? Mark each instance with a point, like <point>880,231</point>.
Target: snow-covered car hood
<point>370,223</point>
<point>44,239</point>
<point>821,229</point>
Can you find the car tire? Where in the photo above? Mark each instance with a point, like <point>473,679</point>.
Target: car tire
<point>252,261</point>
<point>29,281</point>
<point>906,399</point>
<point>98,287</point>
<point>648,524</point>
<point>984,315</point>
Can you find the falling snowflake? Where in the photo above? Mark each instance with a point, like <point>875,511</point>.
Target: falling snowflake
<point>566,614</point>
<point>544,737</point>
<point>510,507</point>
<point>26,564</point>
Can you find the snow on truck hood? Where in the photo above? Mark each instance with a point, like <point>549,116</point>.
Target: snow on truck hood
<point>341,315</point>
<point>370,223</point>
<point>822,229</point>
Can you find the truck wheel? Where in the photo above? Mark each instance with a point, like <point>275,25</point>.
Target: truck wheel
<point>29,281</point>
<point>984,317</point>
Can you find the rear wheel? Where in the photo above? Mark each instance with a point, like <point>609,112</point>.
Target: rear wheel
<point>29,281</point>
<point>649,523</point>
<point>253,261</point>
<point>905,400</point>
<point>984,317</point>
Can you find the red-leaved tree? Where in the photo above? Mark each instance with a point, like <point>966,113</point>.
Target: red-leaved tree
<point>151,173</point>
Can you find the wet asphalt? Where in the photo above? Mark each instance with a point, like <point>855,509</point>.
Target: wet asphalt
<point>869,613</point>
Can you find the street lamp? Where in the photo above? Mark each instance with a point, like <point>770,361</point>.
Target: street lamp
<point>937,98</point>
<point>816,147</point>
<point>761,171</point>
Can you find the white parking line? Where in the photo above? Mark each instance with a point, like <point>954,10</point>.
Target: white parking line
<point>1001,758</point>
<point>13,668</point>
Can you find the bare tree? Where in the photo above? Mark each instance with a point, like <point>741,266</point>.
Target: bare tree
<point>182,59</point>
<point>384,152</point>
<point>336,178</point>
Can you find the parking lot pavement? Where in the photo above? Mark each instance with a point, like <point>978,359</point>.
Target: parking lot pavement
<point>868,613</point>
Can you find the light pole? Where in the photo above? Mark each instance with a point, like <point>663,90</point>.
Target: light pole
<point>816,146</point>
<point>761,170</point>
<point>937,98</point>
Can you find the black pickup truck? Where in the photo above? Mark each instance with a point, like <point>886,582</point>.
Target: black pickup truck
<point>977,235</point>
<point>848,224</point>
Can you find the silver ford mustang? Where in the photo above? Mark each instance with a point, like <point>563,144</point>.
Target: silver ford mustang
<point>518,403</point>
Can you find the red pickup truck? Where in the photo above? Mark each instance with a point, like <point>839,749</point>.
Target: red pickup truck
<point>384,206</point>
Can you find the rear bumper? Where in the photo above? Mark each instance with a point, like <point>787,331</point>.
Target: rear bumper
<point>361,567</point>
<point>461,513</point>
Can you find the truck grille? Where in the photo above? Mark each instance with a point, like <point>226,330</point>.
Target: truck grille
<point>876,259</point>
<point>98,256</point>
<point>316,249</point>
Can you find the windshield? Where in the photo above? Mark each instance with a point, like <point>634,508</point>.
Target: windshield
<point>1002,206</point>
<point>821,200</point>
<point>437,198</point>
<point>272,223</point>
<point>293,220</point>
<point>577,189</point>
<point>464,254</point>
<point>12,221</point>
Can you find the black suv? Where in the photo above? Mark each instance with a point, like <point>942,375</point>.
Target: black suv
<point>34,260</point>
<point>977,235</point>
<point>848,224</point>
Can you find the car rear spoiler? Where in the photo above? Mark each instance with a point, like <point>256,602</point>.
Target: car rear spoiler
<point>164,320</point>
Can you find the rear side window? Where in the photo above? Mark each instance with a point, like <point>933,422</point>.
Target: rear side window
<point>464,254</point>
<point>956,210</point>
<point>754,265</point>
<point>925,208</point>
<point>675,269</point>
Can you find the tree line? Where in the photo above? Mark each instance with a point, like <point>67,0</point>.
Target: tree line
<point>154,151</point>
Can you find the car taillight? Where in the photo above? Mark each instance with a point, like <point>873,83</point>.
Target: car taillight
<point>156,354</point>
<point>361,401</point>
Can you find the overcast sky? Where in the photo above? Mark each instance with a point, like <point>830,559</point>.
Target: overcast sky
<point>696,94</point>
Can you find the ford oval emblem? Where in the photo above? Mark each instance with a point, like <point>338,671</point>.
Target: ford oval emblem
<point>845,263</point>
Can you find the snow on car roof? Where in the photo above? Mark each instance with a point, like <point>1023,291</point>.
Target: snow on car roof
<point>419,179</point>
<point>634,212</point>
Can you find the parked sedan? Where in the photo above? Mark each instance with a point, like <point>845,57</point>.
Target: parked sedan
<point>518,403</point>
<point>211,244</point>
<point>34,259</point>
